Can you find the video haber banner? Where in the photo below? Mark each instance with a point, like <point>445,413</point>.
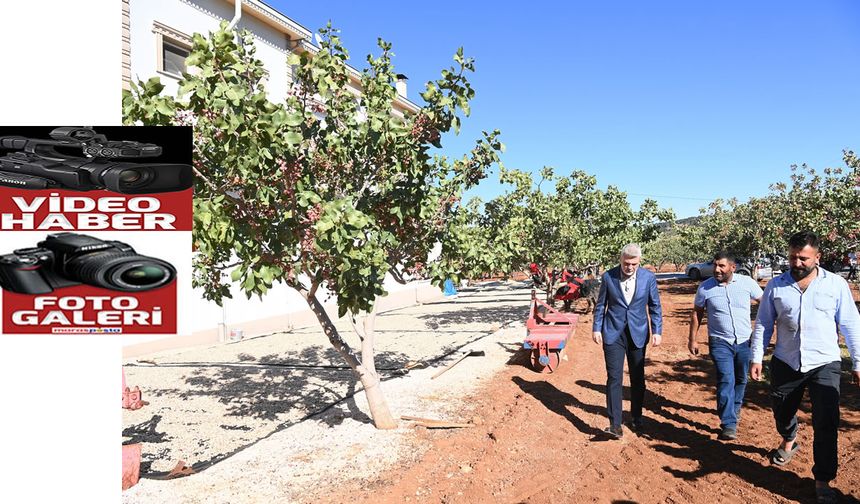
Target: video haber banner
<point>96,226</point>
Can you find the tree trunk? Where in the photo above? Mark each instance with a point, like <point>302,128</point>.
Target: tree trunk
<point>550,289</point>
<point>367,342</point>
<point>364,370</point>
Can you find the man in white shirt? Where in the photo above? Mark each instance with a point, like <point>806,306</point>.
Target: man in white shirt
<point>810,307</point>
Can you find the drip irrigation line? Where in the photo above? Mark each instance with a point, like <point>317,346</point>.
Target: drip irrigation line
<point>248,365</point>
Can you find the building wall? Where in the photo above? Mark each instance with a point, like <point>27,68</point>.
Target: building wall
<point>282,308</point>
<point>202,16</point>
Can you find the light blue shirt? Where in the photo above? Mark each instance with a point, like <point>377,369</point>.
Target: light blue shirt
<point>728,307</point>
<point>806,322</point>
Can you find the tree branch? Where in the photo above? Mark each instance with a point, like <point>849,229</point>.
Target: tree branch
<point>313,290</point>
<point>205,179</point>
<point>398,276</point>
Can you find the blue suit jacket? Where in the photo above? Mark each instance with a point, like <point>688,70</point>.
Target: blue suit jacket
<point>612,314</point>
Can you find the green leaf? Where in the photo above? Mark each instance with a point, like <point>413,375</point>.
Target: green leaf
<point>293,138</point>
<point>164,108</point>
<point>153,86</point>
<point>324,224</point>
<point>235,94</point>
<point>267,274</point>
<point>236,274</point>
<point>249,283</point>
<point>294,119</point>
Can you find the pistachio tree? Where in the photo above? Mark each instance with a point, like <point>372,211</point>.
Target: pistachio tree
<point>826,202</point>
<point>675,245</point>
<point>560,221</point>
<point>328,191</point>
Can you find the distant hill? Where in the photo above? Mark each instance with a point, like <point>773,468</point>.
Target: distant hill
<point>686,221</point>
<point>689,220</point>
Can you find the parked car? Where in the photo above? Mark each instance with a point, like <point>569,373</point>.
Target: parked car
<point>745,266</point>
<point>697,271</point>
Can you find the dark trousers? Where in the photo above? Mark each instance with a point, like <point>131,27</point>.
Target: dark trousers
<point>614,356</point>
<point>787,386</point>
<point>732,361</point>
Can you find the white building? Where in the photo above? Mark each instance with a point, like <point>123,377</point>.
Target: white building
<point>156,40</point>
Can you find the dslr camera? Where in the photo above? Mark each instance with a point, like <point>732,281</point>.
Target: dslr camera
<point>39,165</point>
<point>69,259</point>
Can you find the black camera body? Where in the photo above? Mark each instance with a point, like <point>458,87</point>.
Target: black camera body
<point>69,259</point>
<point>41,166</point>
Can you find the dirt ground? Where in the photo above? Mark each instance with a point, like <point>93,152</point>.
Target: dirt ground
<point>539,439</point>
<point>208,403</point>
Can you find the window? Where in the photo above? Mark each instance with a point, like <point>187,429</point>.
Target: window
<point>172,47</point>
<point>173,58</point>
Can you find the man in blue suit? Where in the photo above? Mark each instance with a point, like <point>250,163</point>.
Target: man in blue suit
<point>627,302</point>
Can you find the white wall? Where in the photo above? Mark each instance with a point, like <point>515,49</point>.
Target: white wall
<point>278,301</point>
<point>202,16</point>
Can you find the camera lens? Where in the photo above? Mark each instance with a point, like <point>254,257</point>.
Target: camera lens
<point>130,176</point>
<point>134,178</point>
<point>120,270</point>
<point>143,275</point>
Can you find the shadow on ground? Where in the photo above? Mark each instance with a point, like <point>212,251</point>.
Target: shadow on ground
<point>690,440</point>
<point>265,392</point>
<point>475,314</point>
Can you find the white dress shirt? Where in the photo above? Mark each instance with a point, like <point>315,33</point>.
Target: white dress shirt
<point>628,287</point>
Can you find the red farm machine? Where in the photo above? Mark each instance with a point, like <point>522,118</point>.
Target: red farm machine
<point>548,332</point>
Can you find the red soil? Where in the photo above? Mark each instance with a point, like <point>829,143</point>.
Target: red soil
<point>537,438</point>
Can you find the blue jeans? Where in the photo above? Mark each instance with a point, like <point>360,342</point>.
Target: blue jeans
<point>732,361</point>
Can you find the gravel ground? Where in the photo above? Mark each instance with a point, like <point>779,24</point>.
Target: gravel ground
<point>275,416</point>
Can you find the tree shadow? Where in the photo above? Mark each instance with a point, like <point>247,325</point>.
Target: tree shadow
<point>697,371</point>
<point>475,299</point>
<point>679,286</point>
<point>700,373</point>
<point>264,392</point>
<point>684,313</point>
<point>145,432</point>
<point>328,356</point>
<point>558,401</point>
<point>518,355</point>
<point>476,314</point>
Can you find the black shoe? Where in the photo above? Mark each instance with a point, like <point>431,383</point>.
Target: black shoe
<point>728,434</point>
<point>636,424</point>
<point>614,432</point>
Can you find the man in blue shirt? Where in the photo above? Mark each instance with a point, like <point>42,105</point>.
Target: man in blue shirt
<point>808,304</point>
<point>727,298</point>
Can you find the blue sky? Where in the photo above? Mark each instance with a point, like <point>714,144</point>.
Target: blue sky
<point>681,100</point>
